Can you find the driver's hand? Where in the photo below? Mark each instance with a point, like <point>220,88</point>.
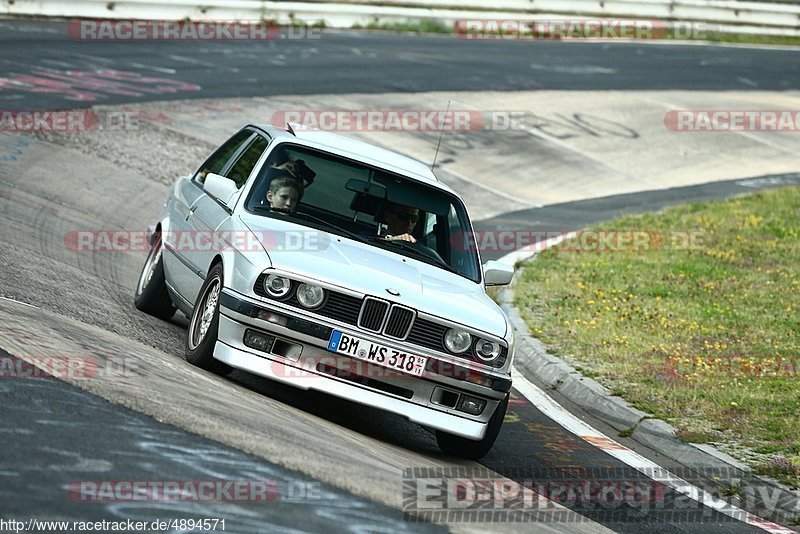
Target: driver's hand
<point>402,237</point>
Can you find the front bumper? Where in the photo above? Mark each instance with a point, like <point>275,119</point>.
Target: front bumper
<point>300,358</point>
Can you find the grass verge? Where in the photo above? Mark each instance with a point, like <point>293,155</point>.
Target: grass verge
<point>746,38</point>
<point>697,323</point>
<point>434,26</point>
<point>409,26</point>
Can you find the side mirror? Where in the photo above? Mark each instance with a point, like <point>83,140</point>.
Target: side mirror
<point>497,274</point>
<point>221,188</point>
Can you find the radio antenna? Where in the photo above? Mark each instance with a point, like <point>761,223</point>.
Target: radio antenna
<point>441,134</point>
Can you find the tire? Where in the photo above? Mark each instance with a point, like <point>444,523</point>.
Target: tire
<point>470,449</point>
<point>204,325</point>
<point>151,295</point>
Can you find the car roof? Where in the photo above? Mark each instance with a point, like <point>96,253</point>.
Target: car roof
<point>356,150</point>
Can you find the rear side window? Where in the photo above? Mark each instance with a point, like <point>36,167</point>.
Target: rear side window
<point>216,163</point>
<point>244,165</point>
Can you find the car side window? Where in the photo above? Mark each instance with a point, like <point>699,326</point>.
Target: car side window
<point>216,163</point>
<point>460,242</point>
<point>430,232</point>
<point>241,170</point>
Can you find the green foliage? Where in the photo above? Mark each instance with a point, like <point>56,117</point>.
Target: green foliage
<point>699,324</point>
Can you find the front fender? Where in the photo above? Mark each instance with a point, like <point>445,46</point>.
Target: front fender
<point>244,260</point>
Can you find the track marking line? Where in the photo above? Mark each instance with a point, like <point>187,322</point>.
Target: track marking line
<point>18,302</point>
<point>153,67</point>
<point>750,135</point>
<point>652,470</point>
<point>523,254</point>
<point>490,189</point>
<point>191,60</point>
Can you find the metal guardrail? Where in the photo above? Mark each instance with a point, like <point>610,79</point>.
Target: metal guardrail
<point>720,15</point>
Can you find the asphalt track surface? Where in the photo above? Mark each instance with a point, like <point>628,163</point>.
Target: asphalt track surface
<point>62,435</point>
<point>348,62</point>
<point>50,429</point>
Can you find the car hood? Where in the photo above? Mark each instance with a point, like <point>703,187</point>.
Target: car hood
<point>372,270</point>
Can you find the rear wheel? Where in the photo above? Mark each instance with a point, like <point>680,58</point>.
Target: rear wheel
<point>204,325</point>
<point>470,449</point>
<point>151,292</point>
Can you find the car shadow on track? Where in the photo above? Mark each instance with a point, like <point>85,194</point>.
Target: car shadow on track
<point>365,420</point>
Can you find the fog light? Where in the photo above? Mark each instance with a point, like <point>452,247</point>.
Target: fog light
<point>471,405</point>
<point>257,340</point>
<point>273,318</point>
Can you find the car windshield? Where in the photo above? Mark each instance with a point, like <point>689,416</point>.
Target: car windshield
<point>361,202</point>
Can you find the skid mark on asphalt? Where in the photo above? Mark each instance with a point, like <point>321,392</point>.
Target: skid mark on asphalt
<point>90,85</point>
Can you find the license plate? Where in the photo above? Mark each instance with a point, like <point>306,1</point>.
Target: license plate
<point>376,353</point>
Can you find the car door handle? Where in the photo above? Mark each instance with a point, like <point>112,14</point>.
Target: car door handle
<point>191,210</point>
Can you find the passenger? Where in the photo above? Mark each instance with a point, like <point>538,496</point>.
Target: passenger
<point>400,221</point>
<point>299,170</point>
<point>284,194</point>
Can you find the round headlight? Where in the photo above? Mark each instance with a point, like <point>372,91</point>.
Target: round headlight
<point>310,296</point>
<point>487,350</point>
<point>457,341</point>
<point>277,286</point>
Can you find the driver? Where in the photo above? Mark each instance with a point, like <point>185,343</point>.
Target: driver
<point>284,193</point>
<point>400,221</point>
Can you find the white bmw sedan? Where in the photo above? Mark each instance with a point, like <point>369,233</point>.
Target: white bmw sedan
<point>327,293</point>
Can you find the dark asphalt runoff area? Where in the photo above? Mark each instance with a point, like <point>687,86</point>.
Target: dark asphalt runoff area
<point>54,434</point>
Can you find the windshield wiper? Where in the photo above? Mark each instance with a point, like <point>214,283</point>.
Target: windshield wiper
<point>309,217</point>
<point>431,259</point>
<point>286,211</point>
<point>428,258</point>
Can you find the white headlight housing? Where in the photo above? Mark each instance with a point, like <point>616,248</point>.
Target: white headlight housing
<point>277,286</point>
<point>457,341</point>
<point>310,296</point>
<point>488,350</point>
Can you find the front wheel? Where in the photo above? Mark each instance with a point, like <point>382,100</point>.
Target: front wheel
<point>204,325</point>
<point>151,291</point>
<point>470,449</point>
